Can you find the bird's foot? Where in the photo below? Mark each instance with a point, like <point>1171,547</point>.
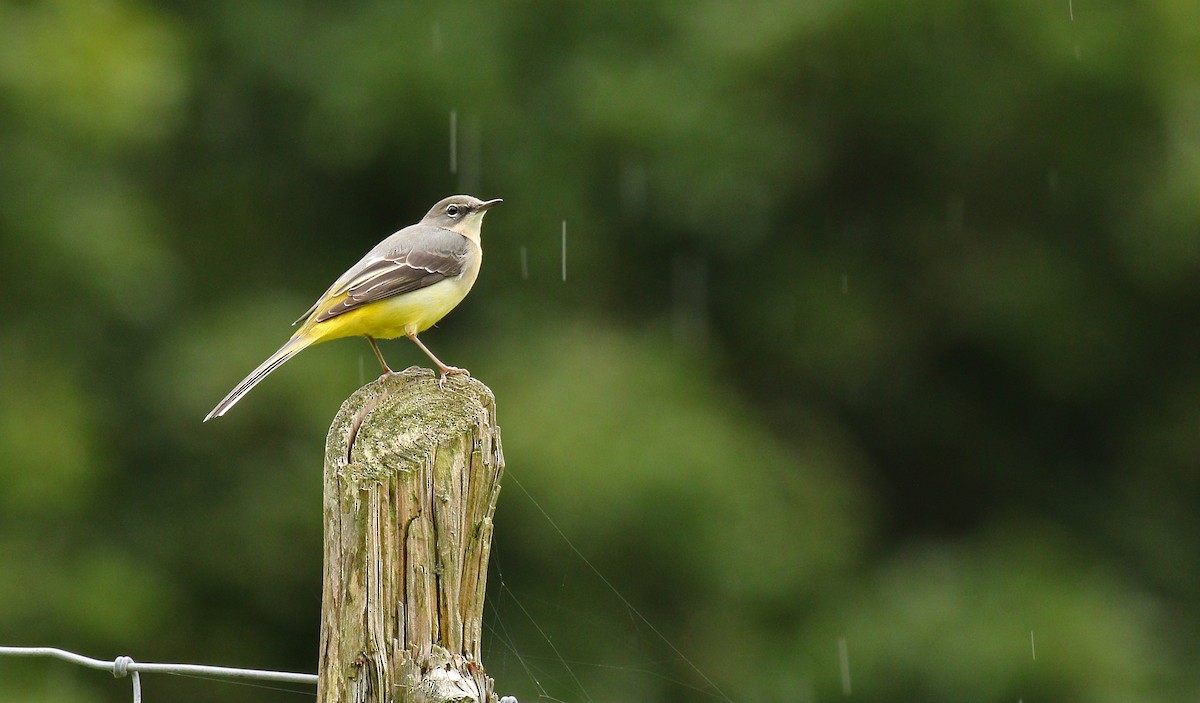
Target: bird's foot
<point>451,371</point>
<point>389,373</point>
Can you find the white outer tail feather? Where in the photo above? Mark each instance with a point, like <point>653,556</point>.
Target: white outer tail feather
<point>290,348</point>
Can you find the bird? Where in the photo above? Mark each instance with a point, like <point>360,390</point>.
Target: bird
<point>400,288</point>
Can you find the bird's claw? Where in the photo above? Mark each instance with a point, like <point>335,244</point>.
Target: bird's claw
<point>451,371</point>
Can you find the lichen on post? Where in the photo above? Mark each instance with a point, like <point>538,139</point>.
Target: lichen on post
<point>412,474</point>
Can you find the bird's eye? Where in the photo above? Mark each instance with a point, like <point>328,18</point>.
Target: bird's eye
<point>452,210</point>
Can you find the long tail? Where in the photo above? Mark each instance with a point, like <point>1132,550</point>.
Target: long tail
<point>291,348</point>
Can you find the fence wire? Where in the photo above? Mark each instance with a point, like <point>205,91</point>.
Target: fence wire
<point>124,666</point>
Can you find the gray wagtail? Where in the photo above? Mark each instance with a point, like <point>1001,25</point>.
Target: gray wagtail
<point>401,288</point>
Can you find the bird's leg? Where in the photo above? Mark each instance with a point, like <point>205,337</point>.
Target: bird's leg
<point>387,370</point>
<point>446,370</point>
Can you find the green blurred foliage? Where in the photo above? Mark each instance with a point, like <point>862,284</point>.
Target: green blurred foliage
<point>878,334</point>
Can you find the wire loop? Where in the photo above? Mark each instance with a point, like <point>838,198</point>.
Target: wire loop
<point>120,667</point>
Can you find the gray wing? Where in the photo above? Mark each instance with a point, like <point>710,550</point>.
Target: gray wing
<point>413,258</point>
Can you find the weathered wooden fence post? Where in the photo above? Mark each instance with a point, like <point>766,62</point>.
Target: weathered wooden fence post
<point>412,473</point>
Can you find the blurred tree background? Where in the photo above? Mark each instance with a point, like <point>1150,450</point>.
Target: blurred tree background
<point>878,335</point>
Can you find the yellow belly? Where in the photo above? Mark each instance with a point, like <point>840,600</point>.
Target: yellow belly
<point>410,313</point>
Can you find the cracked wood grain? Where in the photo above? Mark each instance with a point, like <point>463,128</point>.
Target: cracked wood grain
<point>412,475</point>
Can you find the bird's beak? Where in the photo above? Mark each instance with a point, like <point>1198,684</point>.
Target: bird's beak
<point>488,203</point>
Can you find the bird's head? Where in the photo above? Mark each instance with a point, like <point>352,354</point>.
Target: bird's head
<point>461,213</point>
